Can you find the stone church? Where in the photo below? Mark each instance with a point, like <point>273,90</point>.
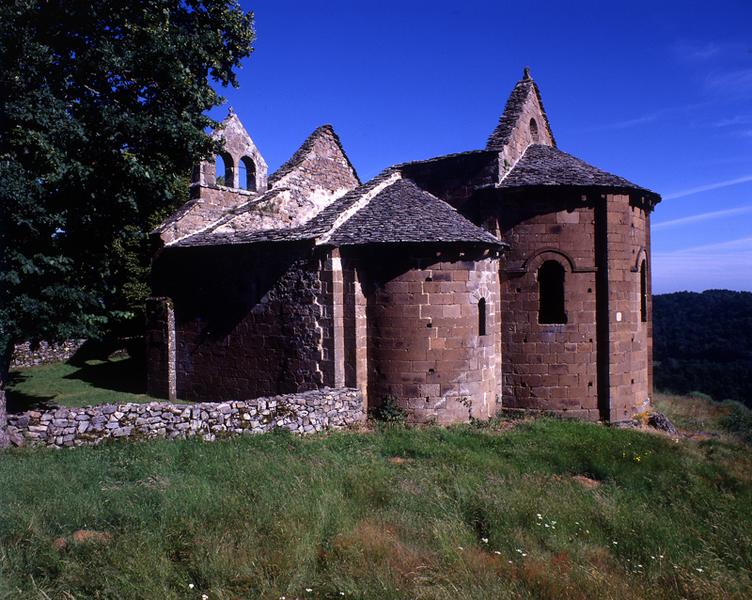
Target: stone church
<point>516,277</point>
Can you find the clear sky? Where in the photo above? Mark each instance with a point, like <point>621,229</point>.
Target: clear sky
<point>658,92</point>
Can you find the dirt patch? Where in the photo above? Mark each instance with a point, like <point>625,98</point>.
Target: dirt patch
<point>60,544</point>
<point>370,542</point>
<point>88,536</point>
<point>586,482</point>
<point>400,460</point>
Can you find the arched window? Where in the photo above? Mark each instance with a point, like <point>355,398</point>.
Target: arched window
<point>482,316</point>
<point>247,172</point>
<point>534,130</point>
<point>644,292</point>
<point>223,170</point>
<point>551,293</point>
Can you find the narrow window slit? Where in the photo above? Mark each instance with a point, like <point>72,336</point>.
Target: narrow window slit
<point>482,316</point>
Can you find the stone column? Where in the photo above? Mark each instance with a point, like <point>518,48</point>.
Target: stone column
<point>161,349</point>
<point>333,321</point>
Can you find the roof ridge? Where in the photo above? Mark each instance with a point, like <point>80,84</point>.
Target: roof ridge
<point>452,208</point>
<point>359,204</point>
<point>404,212</point>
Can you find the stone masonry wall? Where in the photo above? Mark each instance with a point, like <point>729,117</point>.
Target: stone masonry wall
<point>425,350</point>
<point>301,413</point>
<point>550,367</point>
<point>30,355</point>
<point>522,135</point>
<point>248,320</point>
<point>629,338</point>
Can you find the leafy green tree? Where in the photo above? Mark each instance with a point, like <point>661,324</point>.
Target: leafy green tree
<point>102,115</point>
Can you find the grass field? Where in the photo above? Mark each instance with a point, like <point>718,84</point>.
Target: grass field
<point>94,381</point>
<point>466,512</point>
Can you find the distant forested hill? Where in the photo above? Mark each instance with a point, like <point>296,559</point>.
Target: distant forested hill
<point>703,342</point>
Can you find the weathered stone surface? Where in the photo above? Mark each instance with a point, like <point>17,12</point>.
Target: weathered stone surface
<point>27,355</point>
<point>422,286</point>
<point>661,422</point>
<point>341,407</point>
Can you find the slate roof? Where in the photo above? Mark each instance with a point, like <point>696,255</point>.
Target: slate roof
<point>317,226</point>
<point>403,212</point>
<point>500,136</point>
<point>546,166</point>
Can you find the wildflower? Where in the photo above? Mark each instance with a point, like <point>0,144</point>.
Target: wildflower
<point>615,542</point>
<point>191,586</point>
<point>660,556</point>
<point>540,516</point>
<point>497,552</point>
<point>510,562</point>
<point>546,525</point>
<point>698,569</point>
<point>639,566</point>
<point>342,593</point>
<point>309,590</point>
<point>484,540</point>
<point>518,550</point>
<point>653,557</point>
<point>524,554</point>
<point>460,548</point>
<point>553,522</point>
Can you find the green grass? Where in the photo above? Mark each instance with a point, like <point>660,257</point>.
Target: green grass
<point>95,381</point>
<point>271,516</point>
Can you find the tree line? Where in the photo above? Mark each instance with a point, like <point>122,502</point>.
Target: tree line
<point>703,342</point>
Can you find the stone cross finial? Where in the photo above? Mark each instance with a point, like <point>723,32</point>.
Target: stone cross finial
<point>526,73</point>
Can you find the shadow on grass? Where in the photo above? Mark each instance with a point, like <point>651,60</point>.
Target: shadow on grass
<point>122,375</point>
<point>100,370</point>
<point>17,402</point>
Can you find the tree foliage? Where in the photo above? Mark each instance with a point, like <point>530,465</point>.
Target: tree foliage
<point>703,342</point>
<point>102,114</point>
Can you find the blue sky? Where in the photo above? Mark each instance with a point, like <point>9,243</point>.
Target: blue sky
<point>657,92</point>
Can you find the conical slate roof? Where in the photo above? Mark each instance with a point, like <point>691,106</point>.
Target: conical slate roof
<point>546,166</point>
<point>403,212</point>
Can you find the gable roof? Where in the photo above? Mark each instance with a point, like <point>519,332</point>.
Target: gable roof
<point>300,155</point>
<point>547,166</point>
<point>320,224</point>
<point>387,209</point>
<point>403,212</point>
<point>515,104</point>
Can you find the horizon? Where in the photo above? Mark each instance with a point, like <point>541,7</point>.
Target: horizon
<point>661,99</point>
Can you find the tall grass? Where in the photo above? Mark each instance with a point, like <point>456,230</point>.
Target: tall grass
<point>465,512</point>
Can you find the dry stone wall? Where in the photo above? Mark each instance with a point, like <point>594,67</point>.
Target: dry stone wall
<point>308,412</point>
<point>30,355</point>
